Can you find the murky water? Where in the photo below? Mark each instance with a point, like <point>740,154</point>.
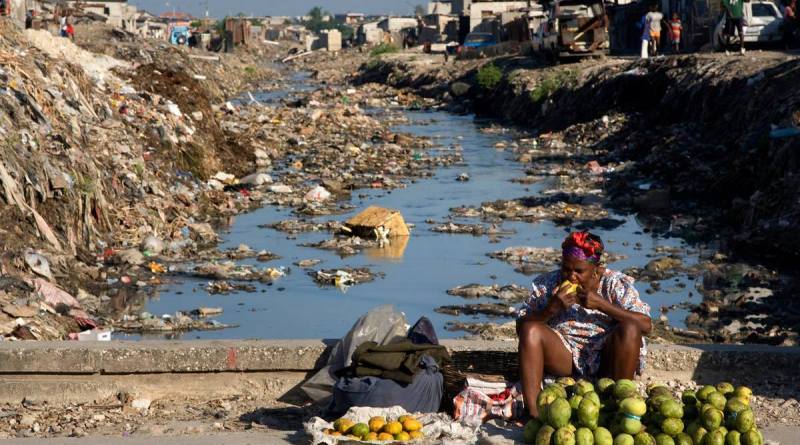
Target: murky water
<point>416,280</point>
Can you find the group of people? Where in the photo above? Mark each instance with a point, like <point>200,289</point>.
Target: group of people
<point>651,25</point>
<point>651,31</point>
<point>66,29</point>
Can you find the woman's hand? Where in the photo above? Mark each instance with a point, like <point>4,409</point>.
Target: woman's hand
<point>562,300</point>
<point>587,292</point>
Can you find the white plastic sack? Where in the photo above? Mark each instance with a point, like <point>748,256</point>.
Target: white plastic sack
<point>318,194</point>
<point>438,428</point>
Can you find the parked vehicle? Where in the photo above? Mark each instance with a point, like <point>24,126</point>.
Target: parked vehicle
<point>573,28</point>
<point>763,24</point>
<point>179,35</point>
<point>477,40</point>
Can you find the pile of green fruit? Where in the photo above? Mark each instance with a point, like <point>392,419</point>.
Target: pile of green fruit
<point>614,413</point>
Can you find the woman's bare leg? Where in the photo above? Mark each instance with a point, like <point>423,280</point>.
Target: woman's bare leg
<point>540,349</point>
<point>620,357</point>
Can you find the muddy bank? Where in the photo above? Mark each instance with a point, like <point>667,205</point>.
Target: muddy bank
<point>646,137</point>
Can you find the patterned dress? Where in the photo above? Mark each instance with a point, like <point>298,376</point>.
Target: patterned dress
<point>584,331</point>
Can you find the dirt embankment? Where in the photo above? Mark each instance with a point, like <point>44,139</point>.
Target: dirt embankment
<point>695,128</point>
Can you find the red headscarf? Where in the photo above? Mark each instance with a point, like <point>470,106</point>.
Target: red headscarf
<point>583,246</point>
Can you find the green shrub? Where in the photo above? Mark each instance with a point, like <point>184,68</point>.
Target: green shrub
<point>553,82</point>
<point>383,48</point>
<point>489,76</point>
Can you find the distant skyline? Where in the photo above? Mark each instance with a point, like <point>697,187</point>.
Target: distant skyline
<point>221,8</point>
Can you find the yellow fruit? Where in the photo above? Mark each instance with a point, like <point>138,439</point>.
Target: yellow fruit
<point>376,424</point>
<point>404,417</point>
<point>343,425</point>
<point>412,425</point>
<point>416,435</point>
<point>336,433</point>
<point>393,428</point>
<point>570,286</point>
<point>371,436</point>
<point>402,436</point>
<point>385,436</point>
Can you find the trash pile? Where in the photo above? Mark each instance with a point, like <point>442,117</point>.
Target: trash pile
<point>609,412</point>
<point>103,162</point>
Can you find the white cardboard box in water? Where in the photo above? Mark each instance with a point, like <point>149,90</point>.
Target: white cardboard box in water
<point>438,428</point>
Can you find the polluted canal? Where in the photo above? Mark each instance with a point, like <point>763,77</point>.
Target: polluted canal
<point>414,274</point>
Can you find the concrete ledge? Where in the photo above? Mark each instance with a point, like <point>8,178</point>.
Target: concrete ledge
<point>153,357</point>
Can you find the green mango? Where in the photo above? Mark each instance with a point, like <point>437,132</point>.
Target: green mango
<point>559,390</point>
<point>733,438</point>
<point>725,388</point>
<point>703,393</point>
<point>717,400</point>
<point>736,404</point>
<point>584,436</point>
<point>692,427</point>
<point>594,397</point>
<point>530,430</point>
<point>565,436</point>
<point>644,438</point>
<point>575,401</point>
<point>605,386</point>
<point>583,386</point>
<point>633,406</point>
<point>656,402</point>
<point>689,397</point>
<point>566,382</point>
<point>745,421</point>
<point>711,418</point>
<point>698,435</point>
<point>659,391</point>
<point>602,436</point>
<point>558,413</point>
<point>683,439</point>
<point>588,414</point>
<point>623,439</point>
<point>744,392</point>
<point>545,434</point>
<point>663,439</point>
<point>716,437</point>
<point>671,408</point>
<point>624,388</point>
<point>752,437</point>
<point>672,427</point>
<point>630,426</point>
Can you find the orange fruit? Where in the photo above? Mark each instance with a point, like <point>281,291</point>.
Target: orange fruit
<point>416,435</point>
<point>336,433</point>
<point>370,436</point>
<point>393,428</point>
<point>412,425</point>
<point>402,436</point>
<point>376,424</point>
<point>385,436</point>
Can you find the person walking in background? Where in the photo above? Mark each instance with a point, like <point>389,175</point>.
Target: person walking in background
<point>645,39</point>
<point>734,21</point>
<point>653,21</point>
<point>675,28</point>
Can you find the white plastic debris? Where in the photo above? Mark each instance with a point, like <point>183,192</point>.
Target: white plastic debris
<point>318,194</point>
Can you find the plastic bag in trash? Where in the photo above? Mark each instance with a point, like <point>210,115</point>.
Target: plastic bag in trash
<point>438,428</point>
<point>383,325</point>
<point>318,194</point>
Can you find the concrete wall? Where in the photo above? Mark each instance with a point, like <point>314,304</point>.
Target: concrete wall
<point>118,14</point>
<point>331,40</point>
<point>18,8</point>
<point>440,7</point>
<point>480,10</point>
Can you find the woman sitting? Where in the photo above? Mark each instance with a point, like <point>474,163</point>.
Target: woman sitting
<point>593,328</point>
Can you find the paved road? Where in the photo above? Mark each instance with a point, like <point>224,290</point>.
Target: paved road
<point>778,435</point>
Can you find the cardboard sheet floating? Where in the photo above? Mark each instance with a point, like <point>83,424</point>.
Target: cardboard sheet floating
<point>374,220</point>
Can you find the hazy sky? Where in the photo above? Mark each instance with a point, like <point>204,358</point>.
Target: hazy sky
<point>220,8</point>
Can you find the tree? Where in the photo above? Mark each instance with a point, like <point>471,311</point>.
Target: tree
<point>316,20</point>
<point>420,10</point>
